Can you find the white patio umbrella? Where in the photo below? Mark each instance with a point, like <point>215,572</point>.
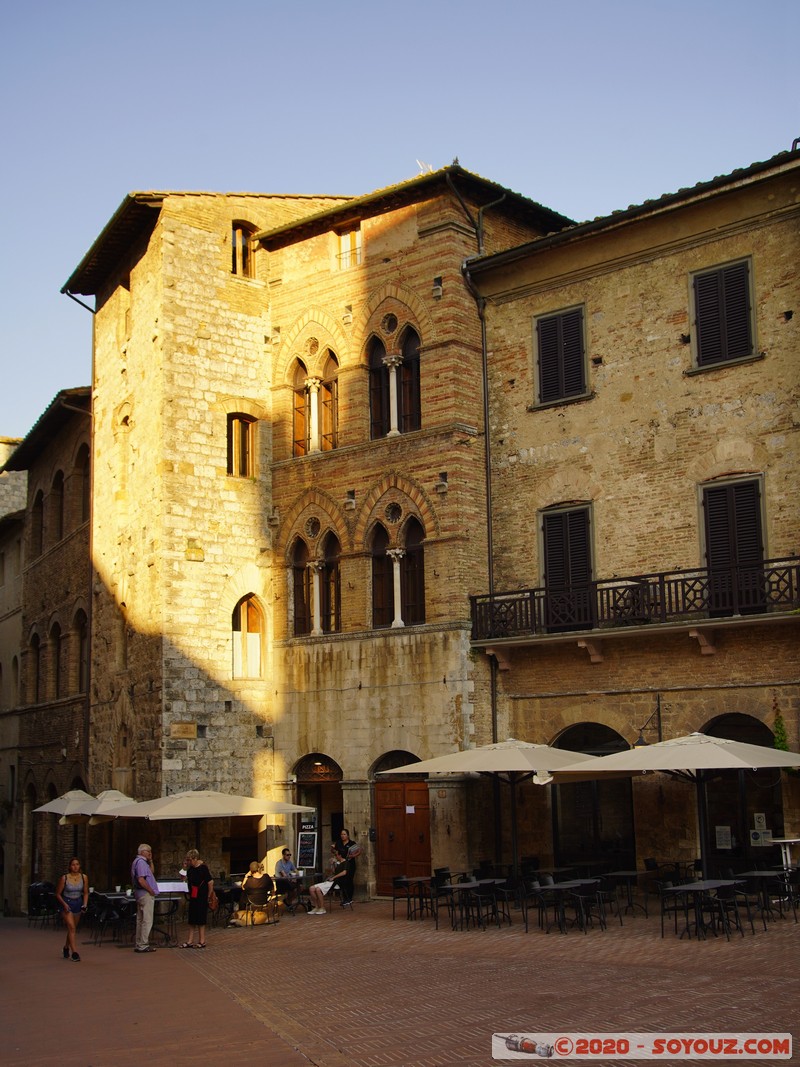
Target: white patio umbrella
<point>688,757</point>
<point>104,806</point>
<point>69,806</point>
<point>510,761</point>
<point>206,804</point>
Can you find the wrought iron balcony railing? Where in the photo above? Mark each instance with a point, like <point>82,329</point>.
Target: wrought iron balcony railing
<point>666,597</point>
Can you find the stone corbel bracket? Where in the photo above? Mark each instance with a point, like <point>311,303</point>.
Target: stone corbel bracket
<point>594,648</point>
<point>705,638</point>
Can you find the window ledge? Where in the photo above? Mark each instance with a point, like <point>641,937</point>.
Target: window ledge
<point>723,363</point>
<point>561,403</point>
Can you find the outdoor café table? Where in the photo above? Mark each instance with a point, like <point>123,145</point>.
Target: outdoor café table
<point>786,848</point>
<point>560,891</point>
<point>418,884</point>
<point>628,879</point>
<point>764,878</point>
<point>693,893</point>
<point>460,910</point>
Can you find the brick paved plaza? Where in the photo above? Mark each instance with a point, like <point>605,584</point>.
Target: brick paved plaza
<point>355,989</point>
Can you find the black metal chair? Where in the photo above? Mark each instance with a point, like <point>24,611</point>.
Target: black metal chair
<point>260,905</point>
<point>401,890</point>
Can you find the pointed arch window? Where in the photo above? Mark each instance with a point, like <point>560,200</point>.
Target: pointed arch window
<point>84,474</point>
<point>302,589</point>
<point>81,630</point>
<point>412,575</point>
<point>382,580</point>
<point>409,415</point>
<point>57,661</point>
<point>301,411</point>
<point>247,626</point>
<point>35,669</point>
<point>329,404</point>
<point>330,586</point>
<point>379,408</point>
<point>57,506</point>
<point>37,525</point>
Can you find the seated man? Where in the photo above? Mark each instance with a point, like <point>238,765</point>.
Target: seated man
<point>287,878</point>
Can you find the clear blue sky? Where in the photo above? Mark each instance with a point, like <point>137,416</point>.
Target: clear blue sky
<point>584,106</point>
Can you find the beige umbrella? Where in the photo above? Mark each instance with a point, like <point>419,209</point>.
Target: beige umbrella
<point>688,757</point>
<point>69,806</point>
<point>206,804</point>
<point>104,807</point>
<point>511,761</point>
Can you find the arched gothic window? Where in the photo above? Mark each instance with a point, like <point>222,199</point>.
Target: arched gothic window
<point>382,580</point>
<point>57,661</point>
<point>83,470</point>
<point>302,588</point>
<point>412,575</point>
<point>329,404</point>
<point>247,626</point>
<point>301,411</point>
<point>57,506</point>
<point>379,415</point>
<point>330,591</point>
<point>409,416</point>
<point>37,525</point>
<point>80,627</point>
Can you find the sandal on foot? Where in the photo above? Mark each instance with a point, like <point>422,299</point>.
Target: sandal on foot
<point>76,958</point>
<point>65,950</point>
<point>201,944</point>
<point>187,944</point>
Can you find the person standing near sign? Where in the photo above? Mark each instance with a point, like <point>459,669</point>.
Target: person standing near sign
<point>349,851</point>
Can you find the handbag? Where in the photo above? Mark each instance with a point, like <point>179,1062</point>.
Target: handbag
<point>213,901</point>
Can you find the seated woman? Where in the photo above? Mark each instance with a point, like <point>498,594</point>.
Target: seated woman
<point>339,873</point>
<point>257,886</point>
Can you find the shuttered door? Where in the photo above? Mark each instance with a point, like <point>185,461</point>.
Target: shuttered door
<point>561,368</point>
<point>734,548</point>
<point>568,570</point>
<point>722,307</point>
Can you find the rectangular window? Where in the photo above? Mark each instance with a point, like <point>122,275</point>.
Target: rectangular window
<point>723,314</point>
<point>240,446</point>
<point>561,356</point>
<point>350,248</point>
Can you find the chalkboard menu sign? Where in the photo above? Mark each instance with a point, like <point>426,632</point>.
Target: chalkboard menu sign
<point>307,849</point>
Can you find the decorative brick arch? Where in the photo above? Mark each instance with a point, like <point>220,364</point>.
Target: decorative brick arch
<point>567,486</point>
<point>730,456</point>
<point>248,579</point>
<point>401,301</point>
<point>326,509</point>
<point>393,488</point>
<point>313,322</point>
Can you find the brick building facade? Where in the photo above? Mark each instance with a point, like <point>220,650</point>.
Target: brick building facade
<point>295,582</point>
<point>644,383</point>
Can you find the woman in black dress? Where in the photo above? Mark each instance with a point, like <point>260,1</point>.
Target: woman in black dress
<point>200,883</point>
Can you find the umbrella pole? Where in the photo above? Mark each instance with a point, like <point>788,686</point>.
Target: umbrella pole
<point>702,821</point>
<point>514,858</point>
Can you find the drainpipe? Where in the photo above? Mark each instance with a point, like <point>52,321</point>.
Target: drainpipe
<point>90,589</point>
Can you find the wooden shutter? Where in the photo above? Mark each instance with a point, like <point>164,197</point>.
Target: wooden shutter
<point>568,569</point>
<point>561,362</point>
<point>722,310</point>
<point>734,548</point>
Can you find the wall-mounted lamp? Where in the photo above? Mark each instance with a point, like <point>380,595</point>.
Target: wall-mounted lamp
<point>347,317</point>
<point>437,290</point>
<point>640,741</point>
<point>350,500</point>
<point>441,485</point>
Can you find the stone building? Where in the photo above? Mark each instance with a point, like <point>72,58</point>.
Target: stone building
<point>289,499</point>
<point>12,526</point>
<point>47,702</point>
<point>644,385</point>
<point>317,553</point>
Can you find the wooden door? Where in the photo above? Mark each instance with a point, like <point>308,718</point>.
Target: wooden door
<point>402,823</point>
